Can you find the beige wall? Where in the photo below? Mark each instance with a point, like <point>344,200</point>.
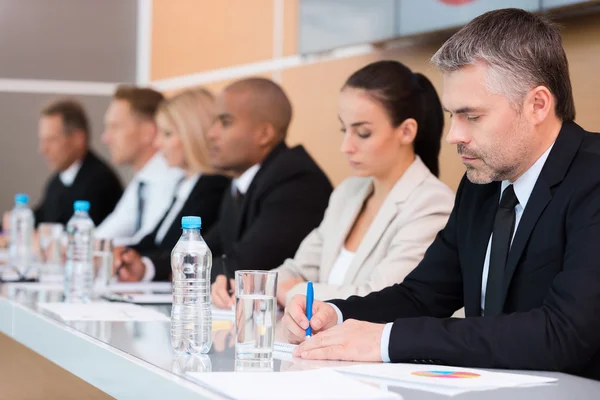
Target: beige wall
<point>313,88</point>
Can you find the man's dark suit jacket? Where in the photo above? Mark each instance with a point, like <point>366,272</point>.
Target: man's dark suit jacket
<point>285,202</point>
<point>203,201</point>
<point>551,314</point>
<point>95,182</point>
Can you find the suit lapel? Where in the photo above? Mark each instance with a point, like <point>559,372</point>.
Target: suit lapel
<point>540,197</point>
<point>483,225</point>
<point>412,178</point>
<point>254,190</point>
<point>381,222</point>
<point>565,148</point>
<point>347,219</point>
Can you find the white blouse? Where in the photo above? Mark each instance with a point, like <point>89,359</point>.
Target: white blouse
<point>340,267</point>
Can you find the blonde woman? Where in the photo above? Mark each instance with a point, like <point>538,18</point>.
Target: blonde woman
<point>182,122</point>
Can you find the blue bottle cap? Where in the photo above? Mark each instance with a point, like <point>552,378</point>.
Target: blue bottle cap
<point>81,205</point>
<point>191,222</point>
<point>21,198</point>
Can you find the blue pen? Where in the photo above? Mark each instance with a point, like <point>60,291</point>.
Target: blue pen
<point>310,294</point>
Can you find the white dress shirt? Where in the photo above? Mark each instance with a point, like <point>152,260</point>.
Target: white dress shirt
<point>523,188</point>
<point>159,182</point>
<point>183,192</point>
<point>67,177</point>
<point>340,267</point>
<point>242,184</point>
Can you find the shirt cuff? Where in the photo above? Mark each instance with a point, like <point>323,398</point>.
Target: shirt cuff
<point>150,270</point>
<point>338,312</point>
<point>384,347</point>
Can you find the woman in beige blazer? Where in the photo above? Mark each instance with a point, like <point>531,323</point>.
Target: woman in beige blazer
<point>379,223</point>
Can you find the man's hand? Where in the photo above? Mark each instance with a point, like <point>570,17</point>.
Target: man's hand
<point>284,287</point>
<point>129,266</point>
<point>351,341</point>
<point>295,321</point>
<point>220,295</point>
<point>224,339</point>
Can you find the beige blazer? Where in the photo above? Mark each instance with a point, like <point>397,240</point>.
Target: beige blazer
<point>416,209</point>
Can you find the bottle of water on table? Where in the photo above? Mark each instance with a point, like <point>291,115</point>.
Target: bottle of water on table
<point>79,269</point>
<point>21,234</point>
<point>191,318</point>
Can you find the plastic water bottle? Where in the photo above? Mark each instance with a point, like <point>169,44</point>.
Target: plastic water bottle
<point>191,317</point>
<point>79,269</point>
<point>21,234</point>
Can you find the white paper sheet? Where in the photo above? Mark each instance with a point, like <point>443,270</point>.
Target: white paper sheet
<point>435,377</point>
<point>143,298</point>
<point>128,287</point>
<point>223,315</point>
<point>36,286</point>
<point>322,384</point>
<point>284,347</point>
<point>103,311</point>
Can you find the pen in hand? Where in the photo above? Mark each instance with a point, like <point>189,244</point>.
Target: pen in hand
<point>227,275</point>
<point>310,294</point>
<point>118,270</point>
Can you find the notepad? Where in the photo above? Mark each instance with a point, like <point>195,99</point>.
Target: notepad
<point>102,311</point>
<point>320,384</point>
<point>225,315</point>
<point>135,298</point>
<point>438,377</point>
<point>128,287</point>
<point>284,347</point>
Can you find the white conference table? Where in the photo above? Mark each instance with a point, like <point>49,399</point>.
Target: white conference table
<point>134,360</point>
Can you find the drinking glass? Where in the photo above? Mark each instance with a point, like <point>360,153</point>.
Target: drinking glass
<point>255,312</point>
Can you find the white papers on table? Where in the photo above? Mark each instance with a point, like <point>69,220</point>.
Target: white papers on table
<point>283,351</point>
<point>36,286</point>
<point>144,298</point>
<point>127,287</point>
<point>324,384</point>
<point>103,311</point>
<point>442,379</point>
<point>284,347</point>
<point>223,315</point>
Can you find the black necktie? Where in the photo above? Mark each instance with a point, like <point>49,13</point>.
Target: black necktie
<point>504,225</point>
<point>140,205</point>
<point>238,199</point>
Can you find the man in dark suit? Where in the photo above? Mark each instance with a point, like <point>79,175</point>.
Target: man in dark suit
<point>532,179</point>
<point>278,194</point>
<point>79,173</point>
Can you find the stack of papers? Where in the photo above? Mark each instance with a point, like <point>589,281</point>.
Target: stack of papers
<point>324,384</point>
<point>102,312</point>
<point>284,347</point>
<point>222,315</point>
<point>441,379</point>
<point>121,287</point>
<point>135,298</point>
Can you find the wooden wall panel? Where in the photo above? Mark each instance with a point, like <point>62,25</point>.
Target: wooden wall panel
<point>314,88</point>
<point>190,36</point>
<point>290,27</point>
<point>314,91</point>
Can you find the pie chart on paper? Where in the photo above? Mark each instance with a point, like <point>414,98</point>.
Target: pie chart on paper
<point>447,374</point>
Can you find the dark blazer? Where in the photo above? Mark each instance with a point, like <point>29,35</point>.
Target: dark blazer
<point>551,314</point>
<point>204,201</point>
<point>285,202</point>
<point>95,182</point>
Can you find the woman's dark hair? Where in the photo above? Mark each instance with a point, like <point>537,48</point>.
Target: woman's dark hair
<point>405,94</point>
